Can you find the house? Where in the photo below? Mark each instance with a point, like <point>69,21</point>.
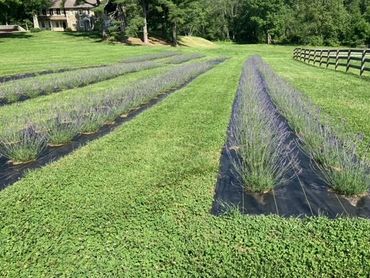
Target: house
<point>59,16</point>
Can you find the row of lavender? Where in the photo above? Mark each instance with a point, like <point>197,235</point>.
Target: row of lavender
<point>333,150</point>
<point>89,113</point>
<point>17,90</point>
<point>266,157</point>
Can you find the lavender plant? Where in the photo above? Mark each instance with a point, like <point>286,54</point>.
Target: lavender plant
<point>27,88</point>
<point>89,113</point>
<point>264,157</point>
<point>150,57</point>
<point>179,59</point>
<point>334,152</point>
<point>24,145</point>
<point>63,128</point>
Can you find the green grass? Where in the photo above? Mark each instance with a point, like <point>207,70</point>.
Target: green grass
<point>191,41</point>
<point>137,201</point>
<point>34,52</point>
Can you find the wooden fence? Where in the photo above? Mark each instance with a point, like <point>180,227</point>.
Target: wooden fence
<point>348,58</point>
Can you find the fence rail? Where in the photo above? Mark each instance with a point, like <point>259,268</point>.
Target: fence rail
<point>348,58</point>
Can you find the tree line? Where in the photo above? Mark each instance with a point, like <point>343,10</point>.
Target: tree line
<point>308,22</point>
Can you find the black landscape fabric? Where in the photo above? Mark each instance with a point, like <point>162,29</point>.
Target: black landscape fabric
<point>304,195</point>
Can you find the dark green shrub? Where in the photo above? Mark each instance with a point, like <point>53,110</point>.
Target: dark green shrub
<point>35,30</point>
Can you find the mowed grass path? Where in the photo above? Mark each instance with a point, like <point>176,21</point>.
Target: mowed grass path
<point>137,202</point>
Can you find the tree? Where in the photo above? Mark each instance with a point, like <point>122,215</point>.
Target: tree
<point>175,13</point>
<point>14,11</point>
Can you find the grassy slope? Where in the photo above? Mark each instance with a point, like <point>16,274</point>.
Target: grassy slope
<point>137,202</point>
<point>191,41</point>
<point>51,50</point>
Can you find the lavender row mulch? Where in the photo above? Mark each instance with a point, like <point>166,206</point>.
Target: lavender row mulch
<point>304,192</point>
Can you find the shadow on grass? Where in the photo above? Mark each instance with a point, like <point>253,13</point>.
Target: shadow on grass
<point>96,36</point>
<point>15,35</point>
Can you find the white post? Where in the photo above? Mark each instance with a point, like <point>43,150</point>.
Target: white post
<point>35,21</point>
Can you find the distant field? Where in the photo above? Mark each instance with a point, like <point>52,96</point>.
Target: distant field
<point>137,202</point>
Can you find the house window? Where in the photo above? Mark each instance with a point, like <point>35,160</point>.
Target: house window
<point>58,11</point>
<point>43,12</point>
<point>51,12</point>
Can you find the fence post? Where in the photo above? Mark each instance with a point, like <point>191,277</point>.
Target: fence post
<point>320,57</point>
<point>348,59</point>
<point>295,53</point>
<point>336,59</point>
<point>314,57</point>
<point>363,62</point>
<point>327,59</point>
<point>305,54</point>
<point>310,55</point>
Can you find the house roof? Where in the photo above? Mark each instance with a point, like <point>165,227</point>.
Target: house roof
<point>71,4</point>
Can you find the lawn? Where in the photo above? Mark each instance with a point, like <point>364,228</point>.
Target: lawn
<point>37,52</point>
<point>137,201</point>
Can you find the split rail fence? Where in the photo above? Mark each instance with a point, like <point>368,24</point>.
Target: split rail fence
<point>349,58</point>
